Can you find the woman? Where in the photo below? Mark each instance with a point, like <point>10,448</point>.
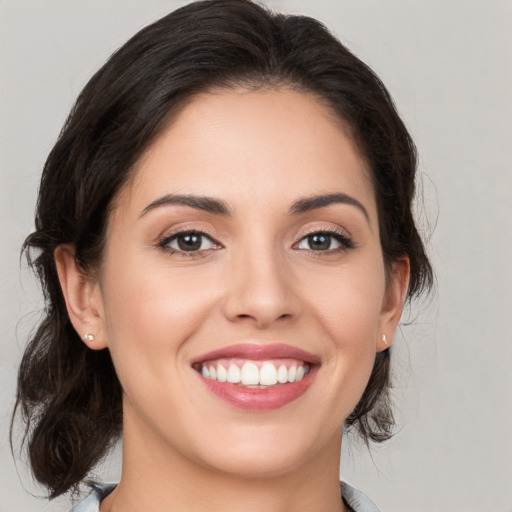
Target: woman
<point>225,240</point>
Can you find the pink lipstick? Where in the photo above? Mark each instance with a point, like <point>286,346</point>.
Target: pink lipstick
<point>257,377</point>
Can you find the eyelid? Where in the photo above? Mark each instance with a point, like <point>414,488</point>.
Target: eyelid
<point>325,229</point>
<point>189,226</point>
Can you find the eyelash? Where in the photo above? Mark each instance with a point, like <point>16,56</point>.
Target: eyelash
<point>163,244</point>
<point>346,242</point>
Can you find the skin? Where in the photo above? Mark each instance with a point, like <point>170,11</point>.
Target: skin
<point>259,280</point>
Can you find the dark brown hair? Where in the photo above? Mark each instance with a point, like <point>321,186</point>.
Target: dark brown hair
<point>68,395</point>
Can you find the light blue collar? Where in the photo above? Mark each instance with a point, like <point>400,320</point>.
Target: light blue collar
<point>353,497</point>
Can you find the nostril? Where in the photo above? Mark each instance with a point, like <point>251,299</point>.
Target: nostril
<point>261,303</point>
<point>262,321</point>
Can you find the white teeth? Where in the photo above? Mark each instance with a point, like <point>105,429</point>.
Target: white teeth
<point>268,375</point>
<point>222,374</point>
<point>282,374</point>
<point>249,376</point>
<point>233,374</point>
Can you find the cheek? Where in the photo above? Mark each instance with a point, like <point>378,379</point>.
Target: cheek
<point>347,310</point>
<point>150,313</point>
<point>348,300</point>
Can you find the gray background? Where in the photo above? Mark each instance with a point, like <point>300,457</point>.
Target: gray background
<point>448,65</point>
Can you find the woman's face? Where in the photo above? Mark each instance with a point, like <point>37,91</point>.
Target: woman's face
<point>247,243</point>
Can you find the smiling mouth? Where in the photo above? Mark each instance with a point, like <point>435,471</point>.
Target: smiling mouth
<point>257,377</point>
<point>254,374</point>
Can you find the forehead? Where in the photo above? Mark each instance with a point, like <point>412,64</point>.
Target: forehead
<point>252,147</point>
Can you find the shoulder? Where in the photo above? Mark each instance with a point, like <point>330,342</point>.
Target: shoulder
<point>91,503</point>
<point>357,500</point>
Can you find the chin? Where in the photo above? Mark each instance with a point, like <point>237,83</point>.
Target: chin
<point>268,453</point>
<point>254,464</point>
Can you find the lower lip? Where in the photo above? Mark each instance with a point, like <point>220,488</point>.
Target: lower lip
<point>260,399</point>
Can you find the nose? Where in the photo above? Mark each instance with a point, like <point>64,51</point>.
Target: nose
<point>260,289</point>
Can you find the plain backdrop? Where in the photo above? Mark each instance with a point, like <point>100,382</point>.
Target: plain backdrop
<point>448,64</point>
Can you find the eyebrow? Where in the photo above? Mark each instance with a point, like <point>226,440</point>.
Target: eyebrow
<point>219,207</point>
<point>312,203</point>
<point>207,204</point>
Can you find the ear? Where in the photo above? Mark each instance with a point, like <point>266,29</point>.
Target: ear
<point>393,303</point>
<point>83,298</point>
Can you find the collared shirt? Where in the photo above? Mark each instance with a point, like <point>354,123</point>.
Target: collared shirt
<point>354,498</point>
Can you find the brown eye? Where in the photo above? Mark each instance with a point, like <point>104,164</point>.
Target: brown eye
<point>325,241</point>
<point>319,242</point>
<point>189,241</point>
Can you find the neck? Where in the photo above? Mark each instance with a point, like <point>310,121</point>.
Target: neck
<point>156,478</point>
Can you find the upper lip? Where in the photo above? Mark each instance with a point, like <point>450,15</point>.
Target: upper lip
<point>258,352</point>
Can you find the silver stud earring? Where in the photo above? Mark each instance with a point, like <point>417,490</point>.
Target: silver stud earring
<point>384,339</point>
<point>89,337</point>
